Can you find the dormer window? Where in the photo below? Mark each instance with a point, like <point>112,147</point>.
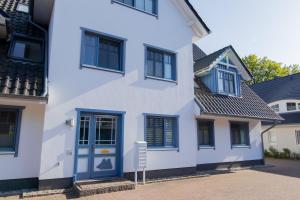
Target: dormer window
<point>27,49</point>
<point>226,82</point>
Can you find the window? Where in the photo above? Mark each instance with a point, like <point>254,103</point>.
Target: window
<point>23,8</point>
<point>27,49</point>
<point>161,131</point>
<point>84,130</point>
<point>148,6</point>
<point>291,106</point>
<point>239,134</point>
<point>9,129</point>
<point>298,106</point>
<point>205,133</point>
<point>103,52</point>
<point>226,82</point>
<point>160,64</point>
<point>275,107</point>
<point>272,138</point>
<point>297,137</point>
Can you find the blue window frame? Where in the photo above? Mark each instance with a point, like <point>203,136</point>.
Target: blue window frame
<point>27,49</point>
<point>147,6</point>
<point>226,82</point>
<point>161,131</point>
<point>240,134</point>
<point>205,129</point>
<point>10,121</point>
<point>102,51</point>
<point>160,64</point>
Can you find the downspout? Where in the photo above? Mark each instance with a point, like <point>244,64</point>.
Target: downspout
<point>262,139</point>
<point>45,89</point>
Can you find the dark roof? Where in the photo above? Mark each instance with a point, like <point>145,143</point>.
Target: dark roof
<point>205,62</point>
<point>22,79</point>
<point>289,119</point>
<point>280,88</point>
<point>197,15</point>
<point>197,53</point>
<point>247,106</point>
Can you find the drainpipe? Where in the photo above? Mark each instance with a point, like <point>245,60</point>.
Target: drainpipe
<point>45,89</point>
<point>262,139</point>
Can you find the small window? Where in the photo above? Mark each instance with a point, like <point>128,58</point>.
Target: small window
<point>291,106</point>
<point>298,106</point>
<point>161,131</point>
<point>149,6</point>
<point>297,137</point>
<point>275,107</point>
<point>27,49</point>
<point>23,8</point>
<point>103,52</point>
<point>161,64</point>
<point>205,133</point>
<point>272,137</point>
<point>239,134</point>
<point>226,82</point>
<point>9,128</point>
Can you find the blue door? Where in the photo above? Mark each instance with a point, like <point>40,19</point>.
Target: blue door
<point>98,146</point>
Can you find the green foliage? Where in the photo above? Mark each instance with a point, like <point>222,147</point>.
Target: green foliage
<point>264,69</point>
<point>287,152</point>
<point>267,154</point>
<point>274,152</point>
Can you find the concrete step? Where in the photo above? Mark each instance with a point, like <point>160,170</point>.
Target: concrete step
<point>93,187</point>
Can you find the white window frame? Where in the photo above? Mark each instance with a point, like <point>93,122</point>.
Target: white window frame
<point>235,82</point>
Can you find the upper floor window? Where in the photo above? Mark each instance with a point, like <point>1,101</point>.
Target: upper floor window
<point>226,82</point>
<point>291,106</point>
<point>27,50</point>
<point>275,107</point>
<point>103,52</point>
<point>297,132</point>
<point>160,64</point>
<point>239,134</point>
<point>148,6</point>
<point>161,131</point>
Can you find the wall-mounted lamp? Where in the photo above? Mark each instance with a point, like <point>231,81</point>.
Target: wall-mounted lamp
<point>70,122</point>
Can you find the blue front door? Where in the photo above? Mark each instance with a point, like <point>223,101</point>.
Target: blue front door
<point>98,146</point>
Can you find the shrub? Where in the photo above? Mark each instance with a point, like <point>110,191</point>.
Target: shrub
<point>287,153</point>
<point>267,153</point>
<point>274,152</point>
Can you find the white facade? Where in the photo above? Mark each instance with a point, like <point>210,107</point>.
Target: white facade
<point>282,104</point>
<point>72,87</point>
<point>27,163</point>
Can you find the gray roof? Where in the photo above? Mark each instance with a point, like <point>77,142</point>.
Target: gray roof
<point>198,53</point>
<point>248,106</point>
<point>280,88</point>
<point>19,79</point>
<point>289,118</point>
<point>204,62</point>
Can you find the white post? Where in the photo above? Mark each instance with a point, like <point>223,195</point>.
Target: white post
<point>136,177</point>
<point>144,176</point>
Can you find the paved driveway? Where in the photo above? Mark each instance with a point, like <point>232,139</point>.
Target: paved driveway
<point>281,182</point>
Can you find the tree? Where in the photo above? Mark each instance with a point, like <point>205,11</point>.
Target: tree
<point>264,69</point>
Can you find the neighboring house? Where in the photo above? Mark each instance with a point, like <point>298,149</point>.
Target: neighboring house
<point>76,98</point>
<point>229,113</point>
<point>283,95</point>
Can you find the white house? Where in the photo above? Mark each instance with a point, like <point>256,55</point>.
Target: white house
<point>84,80</point>
<point>282,95</point>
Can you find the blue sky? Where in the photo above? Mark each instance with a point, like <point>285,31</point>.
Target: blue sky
<point>265,27</point>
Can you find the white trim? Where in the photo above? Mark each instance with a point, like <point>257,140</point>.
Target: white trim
<point>162,149</point>
<point>235,82</point>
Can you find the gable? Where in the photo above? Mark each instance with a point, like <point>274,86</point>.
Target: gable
<point>206,64</point>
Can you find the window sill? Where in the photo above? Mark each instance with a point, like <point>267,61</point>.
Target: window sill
<point>134,8</point>
<point>160,79</point>
<point>7,153</point>
<point>162,149</point>
<point>207,147</point>
<point>241,146</point>
<point>102,68</point>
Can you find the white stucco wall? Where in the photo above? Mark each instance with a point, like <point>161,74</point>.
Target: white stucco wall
<point>223,151</point>
<point>27,163</point>
<point>283,106</point>
<point>72,87</point>
<point>284,137</point>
